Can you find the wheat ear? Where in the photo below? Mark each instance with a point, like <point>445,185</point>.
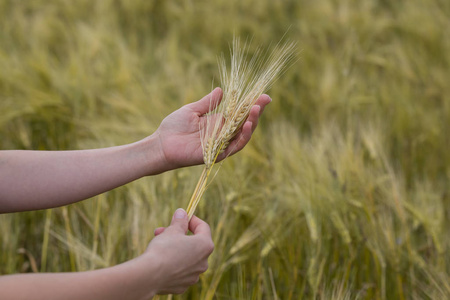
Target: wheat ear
<point>242,85</point>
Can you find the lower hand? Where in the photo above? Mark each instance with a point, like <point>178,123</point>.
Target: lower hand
<point>180,258</point>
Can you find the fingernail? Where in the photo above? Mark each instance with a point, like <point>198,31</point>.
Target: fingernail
<point>180,214</point>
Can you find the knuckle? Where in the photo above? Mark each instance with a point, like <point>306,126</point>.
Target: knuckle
<point>193,280</point>
<point>206,225</point>
<point>209,247</point>
<point>180,290</point>
<point>204,268</point>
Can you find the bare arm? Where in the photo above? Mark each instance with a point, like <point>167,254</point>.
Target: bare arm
<point>118,282</point>
<point>32,180</point>
<point>42,179</point>
<point>172,262</point>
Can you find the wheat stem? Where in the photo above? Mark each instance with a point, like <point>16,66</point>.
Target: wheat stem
<point>198,192</point>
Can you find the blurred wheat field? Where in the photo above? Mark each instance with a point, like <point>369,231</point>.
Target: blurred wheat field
<point>342,193</point>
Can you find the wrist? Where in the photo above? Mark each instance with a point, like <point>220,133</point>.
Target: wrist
<point>151,155</point>
<point>136,278</point>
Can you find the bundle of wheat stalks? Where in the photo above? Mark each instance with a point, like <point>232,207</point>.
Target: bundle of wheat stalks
<point>242,86</point>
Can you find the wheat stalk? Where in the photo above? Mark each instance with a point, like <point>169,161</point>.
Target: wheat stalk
<point>242,85</point>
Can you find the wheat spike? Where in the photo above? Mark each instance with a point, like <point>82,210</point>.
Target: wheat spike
<point>242,85</point>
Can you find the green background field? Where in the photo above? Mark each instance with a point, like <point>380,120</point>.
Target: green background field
<point>343,191</point>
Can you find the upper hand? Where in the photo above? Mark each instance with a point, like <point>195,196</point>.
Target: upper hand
<point>179,132</point>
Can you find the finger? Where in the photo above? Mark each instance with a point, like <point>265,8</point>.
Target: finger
<point>239,141</point>
<point>245,133</point>
<point>159,230</point>
<point>179,222</point>
<point>255,113</point>
<point>199,227</point>
<point>207,103</point>
<point>253,117</point>
<point>262,101</point>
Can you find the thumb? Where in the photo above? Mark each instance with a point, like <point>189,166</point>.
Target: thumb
<point>180,221</point>
<point>207,103</point>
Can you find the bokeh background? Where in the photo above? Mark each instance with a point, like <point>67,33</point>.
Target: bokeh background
<point>343,191</point>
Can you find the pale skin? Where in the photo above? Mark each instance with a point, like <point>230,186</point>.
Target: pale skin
<point>173,260</point>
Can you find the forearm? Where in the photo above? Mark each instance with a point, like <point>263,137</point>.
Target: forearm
<point>43,179</point>
<point>172,262</point>
<point>126,281</point>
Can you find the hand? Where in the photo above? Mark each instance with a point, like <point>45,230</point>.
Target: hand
<point>181,258</point>
<point>179,133</point>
